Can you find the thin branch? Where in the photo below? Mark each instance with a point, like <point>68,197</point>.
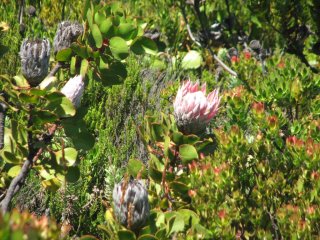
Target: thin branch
<point>274,226</point>
<point>19,180</point>
<point>20,17</point>
<point>224,66</point>
<point>220,62</point>
<point>3,108</point>
<point>55,69</point>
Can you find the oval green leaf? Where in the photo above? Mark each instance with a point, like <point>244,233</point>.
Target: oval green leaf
<point>126,235</point>
<point>97,35</point>
<point>73,174</point>
<point>144,45</point>
<point>192,60</point>
<point>70,157</point>
<point>14,171</point>
<point>64,55</point>
<point>188,153</point>
<point>119,48</point>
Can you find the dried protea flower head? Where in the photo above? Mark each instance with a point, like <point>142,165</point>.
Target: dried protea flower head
<point>35,55</point>
<point>131,204</point>
<point>193,110</point>
<point>73,90</point>
<point>67,33</point>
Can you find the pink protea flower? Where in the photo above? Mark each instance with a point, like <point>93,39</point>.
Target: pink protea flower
<point>193,110</point>
<point>73,90</point>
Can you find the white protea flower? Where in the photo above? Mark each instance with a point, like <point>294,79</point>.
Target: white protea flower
<point>193,110</point>
<point>73,90</point>
<point>131,205</point>
<point>67,33</point>
<point>35,55</point>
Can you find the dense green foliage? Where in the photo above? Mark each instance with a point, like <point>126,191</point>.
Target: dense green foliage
<point>253,174</point>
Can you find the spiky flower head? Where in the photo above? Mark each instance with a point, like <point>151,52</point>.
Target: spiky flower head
<point>131,204</point>
<point>73,90</point>
<point>193,110</point>
<point>67,33</point>
<point>35,55</point>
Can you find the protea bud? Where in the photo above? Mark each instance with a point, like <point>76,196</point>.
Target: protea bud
<point>255,46</point>
<point>35,55</point>
<point>193,110</point>
<point>67,33</point>
<point>131,203</point>
<point>73,90</point>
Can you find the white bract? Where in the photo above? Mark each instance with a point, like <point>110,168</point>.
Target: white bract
<point>73,90</point>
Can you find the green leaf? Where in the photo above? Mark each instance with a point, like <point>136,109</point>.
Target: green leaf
<point>126,235</point>
<point>27,98</point>
<point>99,17</point>
<point>190,139</point>
<point>177,137</point>
<point>157,131</point>
<point>177,224</point>
<point>64,55</point>
<point>187,153</point>
<point>90,17</point>
<point>187,214</point>
<point>127,31</point>
<point>155,174</point>
<point>147,237</point>
<point>179,187</point>
<point>21,81</point>
<point>97,35</point>
<point>84,67</point>
<point>192,60</point>
<point>52,184</point>
<point>88,237</point>
<point>79,134</point>
<point>44,116</point>
<point>144,45</point>
<point>14,171</point>
<point>48,83</point>
<point>119,48</point>
<point>106,27</point>
<point>80,50</point>
<point>9,157</point>
<point>114,74</point>
<point>60,105</point>
<point>161,233</point>
<point>70,157</point>
<point>135,166</point>
<point>73,174</point>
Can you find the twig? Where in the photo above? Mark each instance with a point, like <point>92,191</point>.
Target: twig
<point>274,226</point>
<point>20,17</point>
<point>55,69</point>
<point>19,180</point>
<point>3,108</point>
<point>222,64</point>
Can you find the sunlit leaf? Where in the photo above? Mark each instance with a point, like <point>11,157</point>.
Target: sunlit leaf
<point>192,60</point>
<point>119,48</point>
